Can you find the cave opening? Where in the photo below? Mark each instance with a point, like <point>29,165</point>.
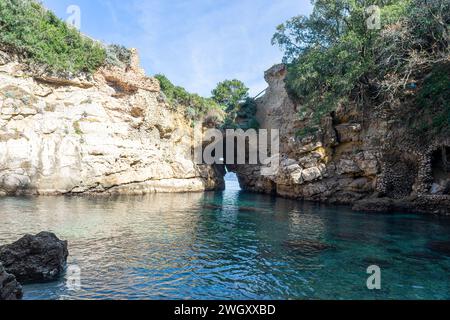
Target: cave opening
<point>440,164</point>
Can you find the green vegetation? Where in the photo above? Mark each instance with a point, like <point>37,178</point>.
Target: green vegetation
<point>28,29</point>
<point>230,93</point>
<point>77,128</point>
<point>193,105</point>
<point>118,55</point>
<point>50,45</point>
<point>434,100</point>
<point>229,106</point>
<point>307,131</point>
<point>240,108</point>
<point>36,34</point>
<point>333,57</point>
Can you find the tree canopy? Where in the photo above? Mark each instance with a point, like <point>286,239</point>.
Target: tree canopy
<point>30,30</point>
<point>334,55</point>
<point>240,109</point>
<point>230,93</point>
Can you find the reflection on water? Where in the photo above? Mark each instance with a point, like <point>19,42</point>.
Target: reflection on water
<point>231,245</point>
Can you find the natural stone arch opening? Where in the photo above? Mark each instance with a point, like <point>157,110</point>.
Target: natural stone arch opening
<point>440,167</point>
<point>232,180</point>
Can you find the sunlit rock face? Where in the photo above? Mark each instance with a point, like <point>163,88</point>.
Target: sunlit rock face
<point>112,133</point>
<point>359,154</point>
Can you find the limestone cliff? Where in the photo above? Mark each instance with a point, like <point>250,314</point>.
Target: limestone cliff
<point>109,133</point>
<point>364,157</point>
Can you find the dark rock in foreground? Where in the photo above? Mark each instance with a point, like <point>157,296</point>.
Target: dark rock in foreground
<point>10,289</point>
<point>39,258</point>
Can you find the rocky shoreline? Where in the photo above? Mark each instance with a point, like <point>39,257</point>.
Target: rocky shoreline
<point>115,133</point>
<point>362,158</point>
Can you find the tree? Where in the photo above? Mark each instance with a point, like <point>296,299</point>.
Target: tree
<point>230,93</point>
<point>240,108</point>
<point>331,52</point>
<point>194,106</point>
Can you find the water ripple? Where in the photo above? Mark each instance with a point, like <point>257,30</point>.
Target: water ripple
<point>231,245</point>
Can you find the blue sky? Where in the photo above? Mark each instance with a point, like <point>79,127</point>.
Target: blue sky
<point>195,43</point>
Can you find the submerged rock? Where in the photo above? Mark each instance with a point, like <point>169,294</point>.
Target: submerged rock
<point>249,209</point>
<point>307,247</point>
<point>240,209</point>
<point>10,289</point>
<point>368,261</point>
<point>212,207</point>
<point>349,236</point>
<point>423,256</point>
<point>39,258</point>
<point>441,247</point>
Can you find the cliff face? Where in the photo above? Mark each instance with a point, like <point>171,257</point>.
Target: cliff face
<point>112,133</point>
<point>365,157</point>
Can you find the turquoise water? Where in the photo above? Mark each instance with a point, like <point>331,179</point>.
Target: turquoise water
<point>232,245</point>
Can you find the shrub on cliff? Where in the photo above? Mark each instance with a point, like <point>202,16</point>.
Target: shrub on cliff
<point>434,101</point>
<point>240,109</point>
<point>35,33</point>
<point>194,106</point>
<point>118,55</point>
<point>229,106</point>
<point>333,56</point>
<point>230,93</point>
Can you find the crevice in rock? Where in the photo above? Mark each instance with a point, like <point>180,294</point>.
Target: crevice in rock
<point>440,166</point>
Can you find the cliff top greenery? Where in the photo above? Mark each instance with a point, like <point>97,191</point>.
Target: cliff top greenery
<point>51,45</point>
<point>193,105</point>
<point>30,30</point>
<point>240,109</point>
<point>333,56</point>
<point>228,107</point>
<point>36,34</point>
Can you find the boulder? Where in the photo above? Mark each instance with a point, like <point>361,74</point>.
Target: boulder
<point>39,258</point>
<point>10,289</point>
<point>347,166</point>
<point>313,173</point>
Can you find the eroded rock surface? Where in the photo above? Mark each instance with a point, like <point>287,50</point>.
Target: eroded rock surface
<point>111,133</point>
<point>10,289</point>
<point>39,258</point>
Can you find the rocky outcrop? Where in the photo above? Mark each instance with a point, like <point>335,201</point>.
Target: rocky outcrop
<point>10,289</point>
<point>358,156</point>
<point>109,133</point>
<point>39,258</point>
